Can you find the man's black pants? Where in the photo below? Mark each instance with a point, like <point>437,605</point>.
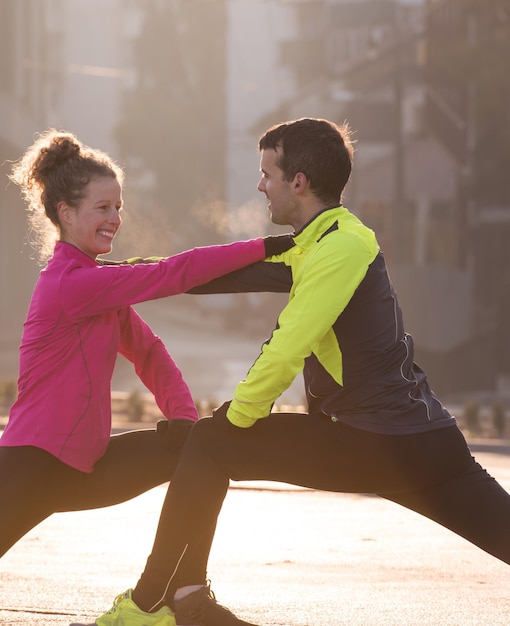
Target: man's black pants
<point>432,473</point>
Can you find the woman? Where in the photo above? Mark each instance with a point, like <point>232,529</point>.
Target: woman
<point>56,453</point>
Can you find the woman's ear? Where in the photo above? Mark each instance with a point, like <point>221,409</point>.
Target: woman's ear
<point>64,212</point>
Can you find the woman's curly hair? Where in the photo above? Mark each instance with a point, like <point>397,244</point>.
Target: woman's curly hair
<point>57,167</point>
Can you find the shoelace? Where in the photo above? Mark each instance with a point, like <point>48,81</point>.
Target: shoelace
<point>116,603</point>
<point>210,592</point>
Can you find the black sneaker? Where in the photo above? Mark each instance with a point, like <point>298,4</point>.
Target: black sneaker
<point>200,608</point>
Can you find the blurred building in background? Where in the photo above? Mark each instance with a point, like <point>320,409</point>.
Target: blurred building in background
<point>143,80</point>
<point>25,95</point>
<point>468,111</point>
<point>61,64</point>
<point>179,92</point>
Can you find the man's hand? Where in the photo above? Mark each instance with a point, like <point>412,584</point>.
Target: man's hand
<point>220,418</point>
<point>175,431</point>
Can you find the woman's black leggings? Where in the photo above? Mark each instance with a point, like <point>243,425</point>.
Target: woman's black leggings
<point>34,484</point>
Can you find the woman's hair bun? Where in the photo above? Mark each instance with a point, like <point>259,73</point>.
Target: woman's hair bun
<point>60,149</point>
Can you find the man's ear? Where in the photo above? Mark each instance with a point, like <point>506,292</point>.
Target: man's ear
<point>300,182</point>
<point>64,212</point>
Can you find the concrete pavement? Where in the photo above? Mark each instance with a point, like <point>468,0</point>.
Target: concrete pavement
<point>282,557</point>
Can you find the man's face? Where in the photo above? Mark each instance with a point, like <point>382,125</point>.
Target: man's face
<point>282,204</point>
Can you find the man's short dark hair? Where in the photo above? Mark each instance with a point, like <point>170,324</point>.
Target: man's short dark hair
<point>320,149</point>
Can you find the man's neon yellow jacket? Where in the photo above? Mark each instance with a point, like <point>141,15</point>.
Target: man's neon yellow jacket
<point>342,327</point>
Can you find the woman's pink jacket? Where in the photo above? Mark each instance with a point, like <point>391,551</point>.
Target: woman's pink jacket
<point>80,317</point>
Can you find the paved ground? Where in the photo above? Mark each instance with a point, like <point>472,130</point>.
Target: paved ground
<point>282,557</point>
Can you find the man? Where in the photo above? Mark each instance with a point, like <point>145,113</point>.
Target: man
<point>373,424</point>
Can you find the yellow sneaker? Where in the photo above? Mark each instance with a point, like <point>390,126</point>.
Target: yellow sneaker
<point>124,612</point>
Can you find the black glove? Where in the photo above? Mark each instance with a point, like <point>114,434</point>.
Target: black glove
<point>276,244</point>
<point>175,431</point>
<point>220,418</point>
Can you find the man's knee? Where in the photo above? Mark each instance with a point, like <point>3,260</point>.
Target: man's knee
<point>212,437</point>
<point>203,433</point>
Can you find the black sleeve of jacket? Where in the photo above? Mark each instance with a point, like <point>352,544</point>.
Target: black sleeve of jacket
<point>261,276</point>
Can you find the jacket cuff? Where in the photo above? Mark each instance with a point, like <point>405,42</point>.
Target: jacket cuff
<point>238,419</point>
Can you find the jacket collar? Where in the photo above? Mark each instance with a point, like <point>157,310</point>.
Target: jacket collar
<point>65,250</point>
<point>318,225</point>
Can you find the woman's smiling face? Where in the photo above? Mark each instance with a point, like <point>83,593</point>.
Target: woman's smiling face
<point>92,226</point>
